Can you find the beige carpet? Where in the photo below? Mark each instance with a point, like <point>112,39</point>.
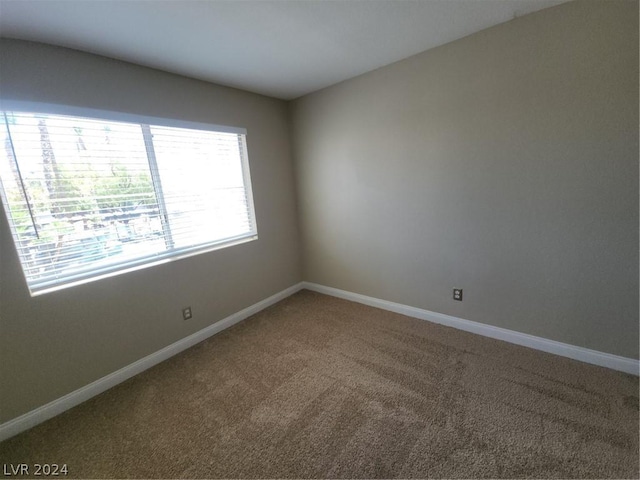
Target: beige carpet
<point>320,387</point>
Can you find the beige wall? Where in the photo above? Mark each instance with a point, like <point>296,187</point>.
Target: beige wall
<point>505,163</point>
<point>53,344</point>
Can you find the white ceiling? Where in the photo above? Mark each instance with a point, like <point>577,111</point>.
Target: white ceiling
<point>280,48</point>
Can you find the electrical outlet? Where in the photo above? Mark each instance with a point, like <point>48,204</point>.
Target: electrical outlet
<point>186,313</point>
<point>457,294</point>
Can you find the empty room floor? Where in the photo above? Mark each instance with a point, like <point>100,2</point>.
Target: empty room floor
<point>319,387</point>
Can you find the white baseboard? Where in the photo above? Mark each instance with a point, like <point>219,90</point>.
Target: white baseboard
<point>623,364</point>
<point>45,412</point>
<point>51,409</point>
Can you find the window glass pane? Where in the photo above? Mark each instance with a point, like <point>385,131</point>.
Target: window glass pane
<point>88,199</point>
<point>202,183</point>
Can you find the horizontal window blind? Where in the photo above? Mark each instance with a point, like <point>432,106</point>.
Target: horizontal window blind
<point>89,197</point>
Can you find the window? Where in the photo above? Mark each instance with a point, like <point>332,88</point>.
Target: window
<point>91,196</point>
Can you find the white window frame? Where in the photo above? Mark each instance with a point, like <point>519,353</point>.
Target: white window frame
<point>156,259</point>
